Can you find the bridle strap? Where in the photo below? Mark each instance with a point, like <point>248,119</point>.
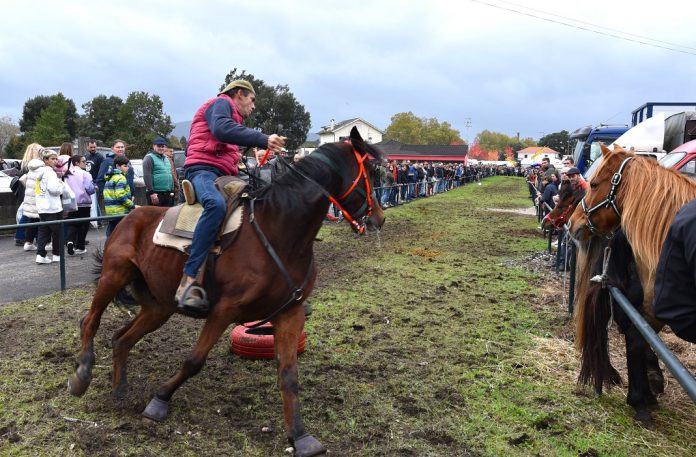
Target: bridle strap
<point>609,201</point>
<point>362,173</point>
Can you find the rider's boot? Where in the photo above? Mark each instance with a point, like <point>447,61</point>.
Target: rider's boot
<point>190,297</point>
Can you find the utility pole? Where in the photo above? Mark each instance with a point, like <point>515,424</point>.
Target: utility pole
<point>467,126</point>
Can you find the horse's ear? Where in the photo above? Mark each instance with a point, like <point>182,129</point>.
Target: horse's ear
<point>605,150</point>
<point>358,142</point>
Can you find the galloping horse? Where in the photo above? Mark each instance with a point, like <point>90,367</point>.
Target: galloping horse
<point>641,197</point>
<point>243,285</point>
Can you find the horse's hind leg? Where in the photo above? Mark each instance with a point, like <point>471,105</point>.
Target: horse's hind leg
<point>287,329</point>
<point>216,323</point>
<point>108,287</point>
<point>639,396</point>
<point>148,319</point>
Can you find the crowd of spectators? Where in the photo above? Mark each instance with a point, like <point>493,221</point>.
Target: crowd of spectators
<point>549,187</point>
<point>398,181</point>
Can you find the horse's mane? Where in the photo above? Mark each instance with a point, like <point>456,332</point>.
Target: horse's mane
<point>650,196</point>
<point>289,191</point>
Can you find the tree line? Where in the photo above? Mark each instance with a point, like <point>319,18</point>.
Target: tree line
<point>51,120</point>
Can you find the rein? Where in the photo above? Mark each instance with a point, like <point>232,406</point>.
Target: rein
<point>297,293</point>
<point>609,201</point>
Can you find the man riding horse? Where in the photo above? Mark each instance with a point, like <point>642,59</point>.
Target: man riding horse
<point>213,151</point>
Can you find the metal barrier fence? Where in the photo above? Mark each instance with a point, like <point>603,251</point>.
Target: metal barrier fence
<point>401,193</point>
<point>61,235</point>
<point>673,364</point>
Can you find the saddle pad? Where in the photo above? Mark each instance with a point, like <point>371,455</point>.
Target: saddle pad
<point>182,243</point>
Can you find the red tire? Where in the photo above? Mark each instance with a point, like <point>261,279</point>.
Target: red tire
<point>258,343</point>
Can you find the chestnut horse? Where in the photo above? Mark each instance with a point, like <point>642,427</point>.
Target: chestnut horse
<point>244,283</point>
<point>641,197</point>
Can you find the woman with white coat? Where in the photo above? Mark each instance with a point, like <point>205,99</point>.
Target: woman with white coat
<point>49,206</point>
<point>29,212</point>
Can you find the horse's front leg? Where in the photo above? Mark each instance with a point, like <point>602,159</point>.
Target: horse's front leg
<point>287,329</point>
<point>216,323</point>
<point>640,397</point>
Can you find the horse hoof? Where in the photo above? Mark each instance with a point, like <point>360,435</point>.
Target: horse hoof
<point>307,446</point>
<point>77,386</point>
<point>644,419</point>
<point>119,392</point>
<point>157,409</point>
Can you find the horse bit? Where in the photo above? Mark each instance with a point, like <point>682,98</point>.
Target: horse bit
<point>609,201</point>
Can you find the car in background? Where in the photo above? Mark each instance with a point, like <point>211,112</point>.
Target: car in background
<point>682,158</point>
<point>139,181</point>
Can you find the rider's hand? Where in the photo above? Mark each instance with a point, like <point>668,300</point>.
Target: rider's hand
<point>276,142</point>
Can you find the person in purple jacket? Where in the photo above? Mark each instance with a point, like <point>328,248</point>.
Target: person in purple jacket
<point>213,151</point>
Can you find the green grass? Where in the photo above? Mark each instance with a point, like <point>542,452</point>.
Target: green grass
<point>422,343</point>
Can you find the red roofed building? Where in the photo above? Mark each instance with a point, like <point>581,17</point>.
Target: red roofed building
<point>394,150</point>
<point>534,154</point>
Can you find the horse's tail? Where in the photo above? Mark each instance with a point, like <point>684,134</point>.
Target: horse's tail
<point>124,297</point>
<point>595,346</point>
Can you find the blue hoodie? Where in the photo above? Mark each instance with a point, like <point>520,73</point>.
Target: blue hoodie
<point>107,167</point>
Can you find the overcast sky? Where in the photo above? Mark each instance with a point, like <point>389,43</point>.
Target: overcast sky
<point>452,60</point>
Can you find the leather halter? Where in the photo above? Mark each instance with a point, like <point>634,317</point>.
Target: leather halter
<point>608,202</point>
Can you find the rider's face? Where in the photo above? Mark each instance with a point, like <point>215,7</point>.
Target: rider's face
<point>245,103</point>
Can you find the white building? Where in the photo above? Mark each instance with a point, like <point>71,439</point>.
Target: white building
<point>339,131</point>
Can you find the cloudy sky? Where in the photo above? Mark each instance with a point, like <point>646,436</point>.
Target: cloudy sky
<point>534,69</point>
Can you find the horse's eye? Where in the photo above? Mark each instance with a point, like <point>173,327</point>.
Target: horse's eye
<point>593,185</point>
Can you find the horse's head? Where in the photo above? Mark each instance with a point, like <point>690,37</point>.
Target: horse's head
<point>558,216</point>
<point>599,212</point>
<point>355,196</point>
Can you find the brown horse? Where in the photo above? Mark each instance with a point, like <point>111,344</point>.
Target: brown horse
<point>640,197</point>
<point>244,283</point>
<point>558,216</point>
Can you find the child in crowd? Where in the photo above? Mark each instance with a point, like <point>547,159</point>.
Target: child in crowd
<point>48,190</point>
<point>117,194</point>
<point>80,181</point>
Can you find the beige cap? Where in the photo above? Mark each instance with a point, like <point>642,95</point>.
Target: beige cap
<point>243,83</point>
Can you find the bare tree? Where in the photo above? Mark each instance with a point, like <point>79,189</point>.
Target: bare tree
<point>8,130</point>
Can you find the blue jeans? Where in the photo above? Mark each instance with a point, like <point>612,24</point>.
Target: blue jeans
<point>20,234</point>
<point>214,210</point>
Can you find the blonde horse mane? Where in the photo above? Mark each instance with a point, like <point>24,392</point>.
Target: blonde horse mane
<point>649,197</point>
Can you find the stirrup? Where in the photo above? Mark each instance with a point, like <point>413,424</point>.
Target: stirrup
<point>192,303</point>
<point>189,193</point>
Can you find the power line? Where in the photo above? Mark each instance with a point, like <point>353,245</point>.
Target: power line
<point>599,26</point>
<point>599,32</point>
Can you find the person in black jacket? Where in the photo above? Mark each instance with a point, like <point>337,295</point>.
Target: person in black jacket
<point>675,279</point>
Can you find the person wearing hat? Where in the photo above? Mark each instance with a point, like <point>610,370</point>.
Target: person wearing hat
<point>216,134</point>
<point>157,174</point>
<point>577,180</point>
